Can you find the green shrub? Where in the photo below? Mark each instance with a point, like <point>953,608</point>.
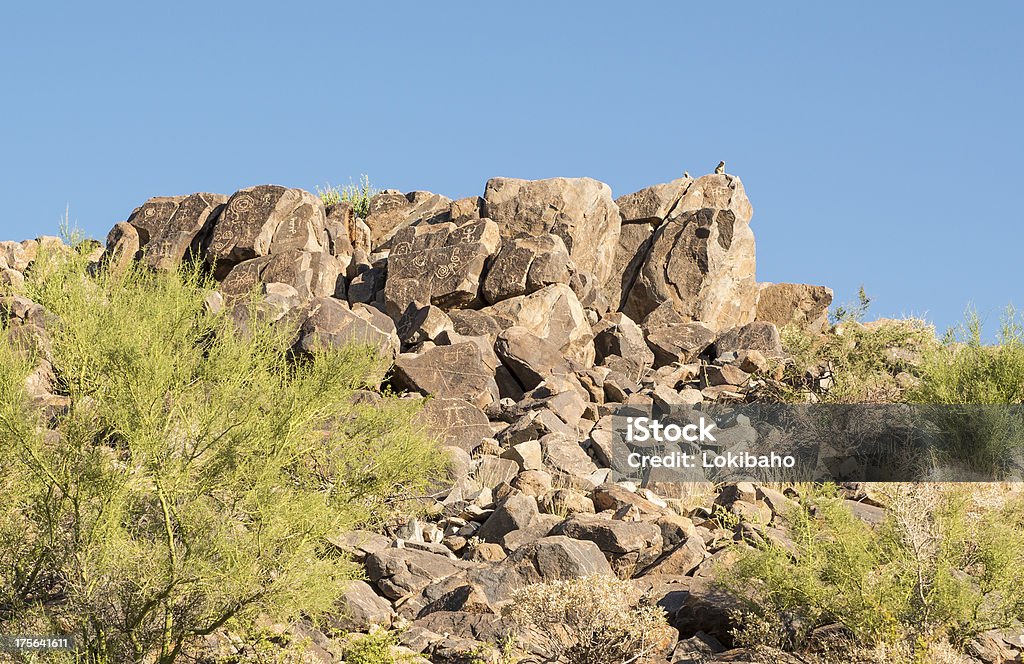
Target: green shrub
<point>372,648</point>
<point>195,475</point>
<point>863,360</point>
<point>963,370</point>
<point>935,571</point>
<point>965,390</point>
<point>357,194</point>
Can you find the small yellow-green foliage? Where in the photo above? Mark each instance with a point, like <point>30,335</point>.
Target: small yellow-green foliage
<point>988,435</point>
<point>963,370</point>
<point>195,474</point>
<point>358,195</point>
<point>592,620</point>
<point>375,648</point>
<point>863,359</point>
<point>935,571</point>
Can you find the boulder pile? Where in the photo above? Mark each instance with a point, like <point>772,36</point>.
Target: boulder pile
<point>526,315</point>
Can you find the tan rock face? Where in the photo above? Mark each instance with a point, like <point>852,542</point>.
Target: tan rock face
<point>701,260</point>
<point>525,265</point>
<point>554,314</point>
<point>440,264</point>
<point>653,204</point>
<point>794,304</point>
<point>391,211</point>
<point>312,274</point>
<point>578,210</point>
<point>266,219</point>
<point>168,226</point>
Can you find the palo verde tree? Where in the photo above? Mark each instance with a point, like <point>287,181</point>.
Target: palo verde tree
<point>195,472</point>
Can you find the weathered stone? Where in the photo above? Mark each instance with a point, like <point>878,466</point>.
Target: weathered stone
<point>329,323</point>
<point>610,535</point>
<point>456,422</point>
<point>758,335</point>
<point>565,502</point>
<point>448,371</point>
<point>579,210</point>
<point>528,455</point>
<point>472,323</point>
<point>361,608</point>
<point>311,274</point>
<point>368,286</point>
<point>122,246</point>
<point>398,572</point>
<point>801,305</point>
<point>440,264</point>
<point>422,323</point>
<point>614,497</point>
<point>634,242</point>
<point>653,204</point>
<point>725,375</point>
<point>391,211</point>
<point>341,228</point>
<point>266,219</point>
<point>681,560</point>
<point>168,226</point>
<point>515,512</point>
<point>702,259</point>
<point>466,209</point>
<point>557,557</point>
<point>681,343</point>
<point>555,315</point>
<point>530,359</point>
<point>525,265</point>
<point>564,454</point>
<point>617,335</point>
<point>533,482</point>
<point>494,471</point>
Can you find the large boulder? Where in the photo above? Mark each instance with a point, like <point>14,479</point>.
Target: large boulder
<point>440,264</point>
<point>399,572</point>
<point>457,372</point>
<point>801,305</point>
<point>558,557</point>
<point>169,226</point>
<point>701,260</point>
<point>530,359</point>
<point>525,265</point>
<point>311,274</point>
<point>554,314</point>
<point>263,220</point>
<point>653,204</point>
<point>620,345</point>
<point>634,243</point>
<point>330,323</point>
<point>391,210</point>
<point>682,343</point>
<point>758,335</point>
<point>578,210</point>
<point>456,421</point>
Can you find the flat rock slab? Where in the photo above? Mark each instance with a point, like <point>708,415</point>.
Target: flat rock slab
<point>439,265</point>
<point>456,422</point>
<point>456,372</point>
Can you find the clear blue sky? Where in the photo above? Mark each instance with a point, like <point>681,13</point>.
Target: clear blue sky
<point>880,143</point>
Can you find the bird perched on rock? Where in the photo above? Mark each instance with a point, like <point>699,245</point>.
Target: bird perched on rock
<point>720,169</point>
<point>686,174</point>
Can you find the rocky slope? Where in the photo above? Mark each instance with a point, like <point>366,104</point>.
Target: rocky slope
<point>527,314</point>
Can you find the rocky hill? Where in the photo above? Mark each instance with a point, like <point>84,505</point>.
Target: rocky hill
<point>528,315</point>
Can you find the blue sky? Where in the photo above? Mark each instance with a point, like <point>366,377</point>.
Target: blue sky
<point>880,143</point>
